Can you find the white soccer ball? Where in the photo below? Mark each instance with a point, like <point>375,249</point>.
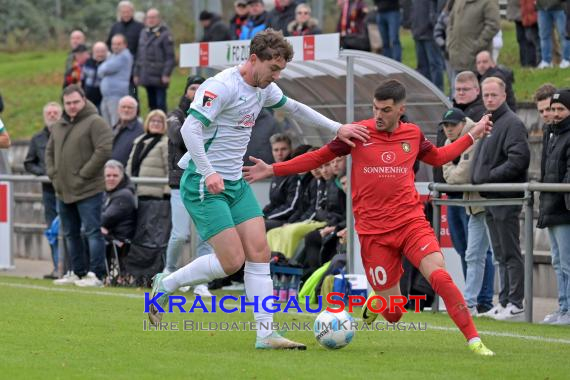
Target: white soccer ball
<point>334,330</point>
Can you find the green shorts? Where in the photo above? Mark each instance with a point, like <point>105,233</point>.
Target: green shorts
<point>213,213</point>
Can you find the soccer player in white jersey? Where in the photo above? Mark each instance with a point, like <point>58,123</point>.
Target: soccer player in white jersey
<point>222,205</point>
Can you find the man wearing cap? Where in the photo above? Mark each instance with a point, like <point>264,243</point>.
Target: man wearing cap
<point>215,29</point>
<point>74,74</point>
<point>181,222</point>
<point>239,19</point>
<point>554,209</point>
<point>476,258</point>
<point>504,157</point>
<point>256,21</point>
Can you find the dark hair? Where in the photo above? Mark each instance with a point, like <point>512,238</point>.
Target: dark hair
<point>73,88</point>
<point>270,44</point>
<point>544,92</point>
<point>390,89</point>
<point>301,149</point>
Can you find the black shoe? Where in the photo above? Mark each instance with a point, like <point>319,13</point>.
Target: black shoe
<point>482,309</point>
<point>219,283</point>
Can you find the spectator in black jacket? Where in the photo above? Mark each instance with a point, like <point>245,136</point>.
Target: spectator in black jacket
<point>503,157</point>
<point>127,129</point>
<point>127,26</point>
<point>283,191</point>
<point>91,82</point>
<point>283,13</point>
<point>554,210</point>
<point>34,163</point>
<point>215,29</point>
<point>487,67</point>
<point>119,211</point>
<point>239,19</point>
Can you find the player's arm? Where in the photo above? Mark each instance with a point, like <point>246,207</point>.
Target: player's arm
<point>308,116</point>
<point>299,164</point>
<point>434,156</point>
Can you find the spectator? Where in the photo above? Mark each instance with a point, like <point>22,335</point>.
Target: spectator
<point>469,232</point>
<point>283,191</point>
<point>214,27</point>
<point>155,60</point>
<point>503,156</point>
<point>127,129</point>
<point>389,20</point>
<point>127,26</point>
<point>75,74</point>
<point>529,20</point>
<point>430,62</point>
<point>34,163</point>
<point>472,26</point>
<point>440,37</point>
<point>239,19</point>
<point>487,67</point>
<point>526,49</point>
<point>79,145</point>
<point>181,222</point>
<point>4,136</point>
<point>303,24</point>
<point>76,38</point>
<point>554,210</point>
<point>118,219</point>
<point>256,21</point>
<point>551,15</point>
<point>149,158</point>
<point>542,99</point>
<point>282,15</point>
<point>115,74</point>
<point>352,25</point>
<point>91,82</point>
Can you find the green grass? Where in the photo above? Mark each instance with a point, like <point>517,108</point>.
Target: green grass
<point>92,334</point>
<point>28,80</point>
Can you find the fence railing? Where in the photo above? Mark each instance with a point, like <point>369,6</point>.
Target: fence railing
<point>526,202</point>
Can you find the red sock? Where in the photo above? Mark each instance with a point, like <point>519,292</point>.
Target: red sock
<point>392,317</point>
<point>443,285</point>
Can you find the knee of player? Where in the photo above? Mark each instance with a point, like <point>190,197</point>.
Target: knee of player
<point>233,265</point>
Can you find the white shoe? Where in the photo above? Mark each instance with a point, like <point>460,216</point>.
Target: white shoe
<point>68,279</point>
<point>184,289</point>
<point>202,290</point>
<point>496,310</point>
<point>511,313</point>
<point>564,319</point>
<point>564,64</point>
<point>552,317</point>
<point>544,65</point>
<point>90,280</point>
<point>473,311</point>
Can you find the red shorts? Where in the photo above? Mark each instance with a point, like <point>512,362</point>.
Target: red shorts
<point>382,253</point>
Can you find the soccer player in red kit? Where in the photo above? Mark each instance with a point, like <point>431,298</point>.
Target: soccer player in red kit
<point>389,217</point>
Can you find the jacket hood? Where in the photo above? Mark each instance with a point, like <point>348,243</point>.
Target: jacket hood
<point>87,111</point>
<point>312,23</point>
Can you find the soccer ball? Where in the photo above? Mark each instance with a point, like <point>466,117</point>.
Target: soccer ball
<point>334,330</point>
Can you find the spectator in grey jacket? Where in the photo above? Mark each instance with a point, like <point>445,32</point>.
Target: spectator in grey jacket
<point>127,129</point>
<point>503,156</point>
<point>155,60</point>
<point>115,73</point>
<point>35,163</point>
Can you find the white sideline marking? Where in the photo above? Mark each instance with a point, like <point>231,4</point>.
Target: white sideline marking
<point>128,295</point>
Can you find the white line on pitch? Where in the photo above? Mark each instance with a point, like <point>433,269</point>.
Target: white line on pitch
<point>129,295</point>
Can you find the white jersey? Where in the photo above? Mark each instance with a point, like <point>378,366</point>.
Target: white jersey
<point>227,107</point>
<point>2,129</point>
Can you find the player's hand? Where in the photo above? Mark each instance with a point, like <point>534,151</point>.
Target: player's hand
<point>215,183</point>
<point>483,127</point>
<point>258,171</point>
<point>353,131</point>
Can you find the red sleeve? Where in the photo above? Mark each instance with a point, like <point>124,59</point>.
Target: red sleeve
<point>439,156</point>
<point>311,160</point>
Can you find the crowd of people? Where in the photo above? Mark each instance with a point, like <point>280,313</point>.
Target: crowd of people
<point>94,144</point>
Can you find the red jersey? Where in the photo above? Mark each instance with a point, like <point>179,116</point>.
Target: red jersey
<point>384,195</point>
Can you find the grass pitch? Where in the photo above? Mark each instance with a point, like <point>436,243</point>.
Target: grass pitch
<point>51,332</point>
